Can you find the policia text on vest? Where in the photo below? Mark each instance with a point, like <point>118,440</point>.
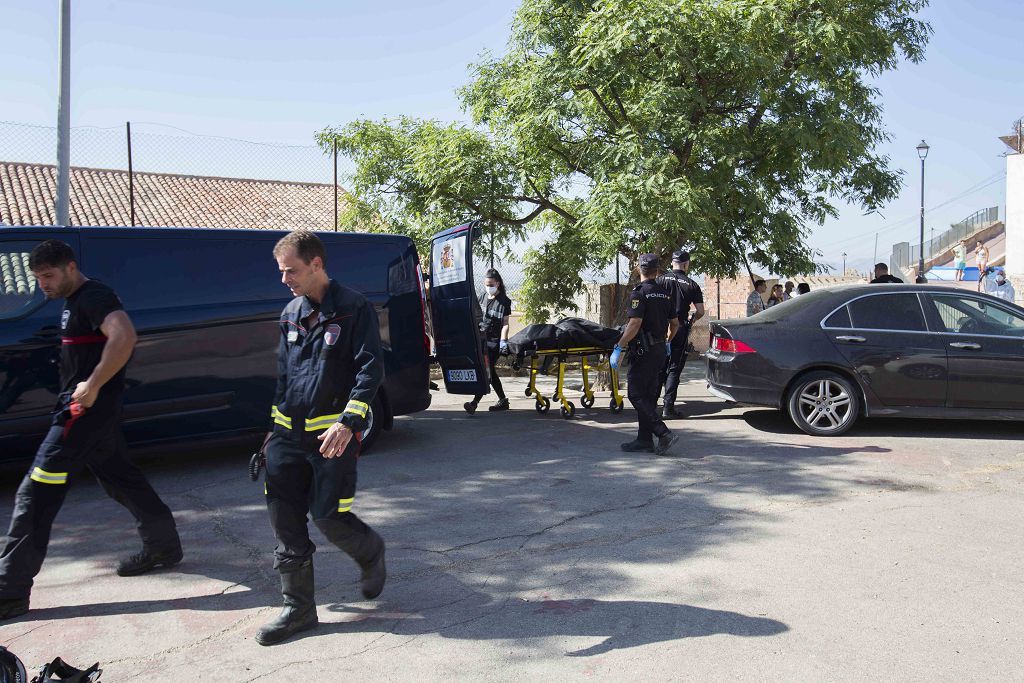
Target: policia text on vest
<point>329,368</point>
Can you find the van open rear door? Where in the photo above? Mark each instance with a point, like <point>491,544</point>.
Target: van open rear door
<point>456,312</point>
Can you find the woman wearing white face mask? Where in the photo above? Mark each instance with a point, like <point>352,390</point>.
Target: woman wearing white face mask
<point>496,307</point>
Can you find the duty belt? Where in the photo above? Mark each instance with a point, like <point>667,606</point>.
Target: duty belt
<point>321,422</point>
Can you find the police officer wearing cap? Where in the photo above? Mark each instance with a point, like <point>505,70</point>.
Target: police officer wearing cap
<point>685,293</point>
<point>329,368</point>
<point>652,324</point>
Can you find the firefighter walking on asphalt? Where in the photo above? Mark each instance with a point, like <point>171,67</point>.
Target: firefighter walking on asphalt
<point>647,336</point>
<point>685,293</point>
<point>329,368</point>
<point>97,341</point>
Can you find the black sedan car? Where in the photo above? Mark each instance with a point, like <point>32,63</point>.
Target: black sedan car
<point>836,354</point>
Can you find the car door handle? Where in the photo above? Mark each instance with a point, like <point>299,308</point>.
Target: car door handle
<point>851,338</point>
<point>966,345</point>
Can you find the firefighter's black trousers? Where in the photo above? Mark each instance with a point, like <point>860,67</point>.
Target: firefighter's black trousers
<point>301,482</point>
<point>92,441</point>
<point>643,388</point>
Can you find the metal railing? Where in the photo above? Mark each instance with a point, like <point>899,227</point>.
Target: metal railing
<point>905,257</point>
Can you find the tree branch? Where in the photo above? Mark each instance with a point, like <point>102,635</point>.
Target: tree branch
<point>600,101</point>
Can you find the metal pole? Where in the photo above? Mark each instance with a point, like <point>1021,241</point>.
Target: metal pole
<point>844,264</point>
<point>874,257</point>
<point>64,113</point>
<point>335,184</point>
<point>131,175</point>
<point>920,260</point>
<point>718,295</point>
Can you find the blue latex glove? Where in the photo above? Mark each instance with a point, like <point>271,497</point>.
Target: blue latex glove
<point>668,349</point>
<point>503,345</point>
<point>613,360</point>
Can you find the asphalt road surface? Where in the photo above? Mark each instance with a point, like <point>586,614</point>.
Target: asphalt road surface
<point>525,546</point>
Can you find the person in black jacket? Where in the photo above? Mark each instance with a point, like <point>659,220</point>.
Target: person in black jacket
<point>882,276</point>
<point>329,369</point>
<point>685,293</point>
<point>647,337</point>
<point>497,308</point>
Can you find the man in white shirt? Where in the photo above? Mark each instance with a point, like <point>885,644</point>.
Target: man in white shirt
<point>755,302</point>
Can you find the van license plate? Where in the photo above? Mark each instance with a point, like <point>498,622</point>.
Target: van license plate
<point>462,375</point>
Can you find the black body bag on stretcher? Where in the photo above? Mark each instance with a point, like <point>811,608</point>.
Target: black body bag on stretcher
<point>568,333</point>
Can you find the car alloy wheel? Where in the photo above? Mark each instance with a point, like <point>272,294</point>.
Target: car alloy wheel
<point>824,404</point>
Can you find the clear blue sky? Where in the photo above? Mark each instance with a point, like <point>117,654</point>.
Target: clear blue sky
<point>278,72</point>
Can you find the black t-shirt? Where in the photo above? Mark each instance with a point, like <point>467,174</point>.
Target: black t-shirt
<point>495,310</point>
<point>684,292</point>
<point>82,341</point>
<point>652,302</point>
<point>886,279</point>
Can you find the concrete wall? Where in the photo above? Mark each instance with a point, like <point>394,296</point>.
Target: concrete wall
<point>1015,216</point>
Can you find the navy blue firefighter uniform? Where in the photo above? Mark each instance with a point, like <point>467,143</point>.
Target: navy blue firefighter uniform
<point>79,440</point>
<point>329,369</point>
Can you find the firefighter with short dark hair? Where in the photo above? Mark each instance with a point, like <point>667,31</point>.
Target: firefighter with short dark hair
<point>647,336</point>
<point>329,369</point>
<point>97,340</point>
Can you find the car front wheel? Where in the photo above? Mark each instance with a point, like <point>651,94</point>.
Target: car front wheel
<point>824,404</point>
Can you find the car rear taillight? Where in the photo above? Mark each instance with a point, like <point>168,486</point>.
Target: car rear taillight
<point>423,310</point>
<point>732,346</point>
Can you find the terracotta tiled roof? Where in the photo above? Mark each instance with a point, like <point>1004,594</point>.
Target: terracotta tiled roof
<point>100,197</point>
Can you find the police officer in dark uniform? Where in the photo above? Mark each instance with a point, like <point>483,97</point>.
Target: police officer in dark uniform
<point>97,340</point>
<point>329,368</point>
<point>685,292</point>
<point>652,323</point>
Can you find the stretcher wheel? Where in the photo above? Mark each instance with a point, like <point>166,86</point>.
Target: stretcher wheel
<point>528,392</point>
<point>587,401</point>
<point>615,406</point>
<point>568,411</point>
<point>542,405</point>
<point>554,396</point>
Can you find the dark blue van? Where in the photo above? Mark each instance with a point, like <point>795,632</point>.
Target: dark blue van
<point>206,305</point>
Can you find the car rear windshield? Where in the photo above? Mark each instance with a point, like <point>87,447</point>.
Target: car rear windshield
<point>794,305</point>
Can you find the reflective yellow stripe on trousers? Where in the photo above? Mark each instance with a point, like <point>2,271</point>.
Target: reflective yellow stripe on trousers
<point>44,477</point>
<point>345,504</point>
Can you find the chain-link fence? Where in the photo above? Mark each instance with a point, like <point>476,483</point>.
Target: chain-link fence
<point>151,175</point>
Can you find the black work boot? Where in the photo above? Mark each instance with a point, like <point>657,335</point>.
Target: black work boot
<point>12,607</point>
<point>638,446</point>
<point>670,412</point>
<point>502,404</point>
<point>299,613</point>
<point>147,560</point>
<point>374,573</point>
<point>665,442</point>
<point>469,407</point>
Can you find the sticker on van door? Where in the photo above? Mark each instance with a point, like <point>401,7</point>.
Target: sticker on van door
<point>462,375</point>
<point>450,261</point>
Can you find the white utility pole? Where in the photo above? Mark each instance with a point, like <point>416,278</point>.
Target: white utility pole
<point>64,113</point>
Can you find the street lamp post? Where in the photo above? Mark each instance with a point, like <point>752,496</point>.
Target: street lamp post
<point>844,264</point>
<point>922,152</point>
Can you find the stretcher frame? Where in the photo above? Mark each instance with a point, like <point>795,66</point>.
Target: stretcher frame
<point>567,408</point>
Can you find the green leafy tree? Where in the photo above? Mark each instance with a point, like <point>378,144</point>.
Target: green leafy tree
<point>618,127</point>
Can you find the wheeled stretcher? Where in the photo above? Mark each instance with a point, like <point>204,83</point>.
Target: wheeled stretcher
<point>567,341</point>
<point>563,357</point>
